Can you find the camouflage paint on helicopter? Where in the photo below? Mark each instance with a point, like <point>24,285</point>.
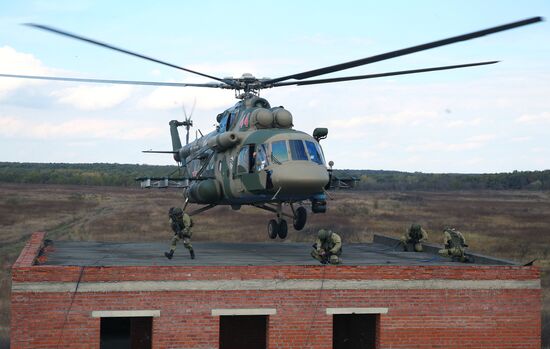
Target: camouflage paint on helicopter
<point>254,157</point>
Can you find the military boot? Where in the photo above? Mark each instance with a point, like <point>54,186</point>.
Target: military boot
<point>192,253</point>
<point>169,255</point>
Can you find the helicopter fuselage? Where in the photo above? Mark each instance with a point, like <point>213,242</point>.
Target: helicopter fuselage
<point>253,157</point>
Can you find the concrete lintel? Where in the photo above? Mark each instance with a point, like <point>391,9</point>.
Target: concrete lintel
<point>249,311</point>
<point>337,311</point>
<point>126,313</point>
<point>275,284</point>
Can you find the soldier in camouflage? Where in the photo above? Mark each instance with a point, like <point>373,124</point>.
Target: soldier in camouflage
<point>328,247</point>
<point>415,235</point>
<point>454,245</point>
<point>181,224</point>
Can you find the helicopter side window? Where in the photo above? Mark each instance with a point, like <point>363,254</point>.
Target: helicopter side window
<point>209,170</point>
<point>261,157</point>
<point>297,149</point>
<point>234,118</point>
<point>314,153</point>
<point>228,122</point>
<point>279,152</point>
<point>243,160</point>
<point>223,123</point>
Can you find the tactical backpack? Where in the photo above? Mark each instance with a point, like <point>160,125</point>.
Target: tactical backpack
<point>415,232</point>
<point>456,240</point>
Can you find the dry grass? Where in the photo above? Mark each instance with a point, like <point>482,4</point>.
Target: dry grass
<point>507,224</point>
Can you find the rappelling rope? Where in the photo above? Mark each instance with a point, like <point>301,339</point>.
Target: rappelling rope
<point>73,296</point>
<point>316,310</point>
<point>70,305</point>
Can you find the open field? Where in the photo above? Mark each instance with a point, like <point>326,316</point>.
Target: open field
<point>508,224</point>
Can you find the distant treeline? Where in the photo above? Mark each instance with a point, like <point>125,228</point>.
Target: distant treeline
<point>124,175</point>
<point>80,174</point>
<point>394,180</point>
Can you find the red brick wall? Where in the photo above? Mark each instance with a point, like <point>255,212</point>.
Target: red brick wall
<point>448,318</point>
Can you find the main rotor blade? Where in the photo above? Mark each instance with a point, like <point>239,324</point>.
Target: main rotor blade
<point>121,82</point>
<point>102,44</point>
<point>371,76</point>
<point>403,52</point>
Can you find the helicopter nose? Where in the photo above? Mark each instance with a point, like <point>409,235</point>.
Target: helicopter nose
<point>299,177</point>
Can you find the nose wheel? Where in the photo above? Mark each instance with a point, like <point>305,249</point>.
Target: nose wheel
<point>279,226</point>
<point>275,229</point>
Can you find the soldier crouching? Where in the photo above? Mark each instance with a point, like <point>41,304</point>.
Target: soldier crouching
<point>414,236</point>
<point>328,247</point>
<point>181,224</point>
<point>455,245</point>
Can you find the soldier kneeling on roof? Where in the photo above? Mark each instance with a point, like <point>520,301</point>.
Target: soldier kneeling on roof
<point>454,245</point>
<point>181,224</point>
<point>328,247</point>
<point>414,236</point>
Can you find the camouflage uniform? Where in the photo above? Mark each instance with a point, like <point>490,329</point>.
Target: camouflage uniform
<point>454,245</point>
<point>415,235</point>
<point>328,247</point>
<point>181,224</point>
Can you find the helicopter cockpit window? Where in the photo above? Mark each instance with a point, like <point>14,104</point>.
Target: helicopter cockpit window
<point>297,149</point>
<point>314,154</point>
<point>261,157</point>
<point>279,152</point>
<point>232,119</point>
<point>223,123</point>
<point>243,160</point>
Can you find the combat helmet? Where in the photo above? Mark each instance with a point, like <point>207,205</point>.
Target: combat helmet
<point>324,234</point>
<point>415,228</point>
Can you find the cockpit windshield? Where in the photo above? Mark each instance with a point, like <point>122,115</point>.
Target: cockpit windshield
<point>279,152</point>
<point>297,149</point>
<point>315,154</point>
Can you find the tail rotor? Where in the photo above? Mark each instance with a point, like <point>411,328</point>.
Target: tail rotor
<point>188,123</point>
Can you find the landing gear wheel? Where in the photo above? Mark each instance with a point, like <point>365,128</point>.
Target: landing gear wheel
<point>300,218</point>
<point>283,229</point>
<point>272,229</point>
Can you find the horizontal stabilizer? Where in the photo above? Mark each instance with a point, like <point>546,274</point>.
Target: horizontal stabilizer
<point>160,151</point>
<point>163,182</point>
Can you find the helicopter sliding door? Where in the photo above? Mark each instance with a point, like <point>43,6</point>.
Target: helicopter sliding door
<point>249,174</point>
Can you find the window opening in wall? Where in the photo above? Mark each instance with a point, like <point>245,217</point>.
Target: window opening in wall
<point>354,331</point>
<point>126,332</point>
<point>243,332</point>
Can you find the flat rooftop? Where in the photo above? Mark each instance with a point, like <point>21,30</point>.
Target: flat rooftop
<point>383,251</point>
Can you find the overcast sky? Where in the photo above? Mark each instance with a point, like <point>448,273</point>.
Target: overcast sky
<point>474,120</point>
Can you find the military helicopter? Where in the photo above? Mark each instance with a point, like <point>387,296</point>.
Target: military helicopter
<point>254,156</point>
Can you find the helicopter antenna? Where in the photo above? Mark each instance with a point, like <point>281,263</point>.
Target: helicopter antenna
<point>188,123</point>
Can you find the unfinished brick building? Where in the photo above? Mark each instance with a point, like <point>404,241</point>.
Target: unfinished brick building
<point>255,295</point>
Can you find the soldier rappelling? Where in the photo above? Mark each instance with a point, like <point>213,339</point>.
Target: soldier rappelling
<point>181,224</point>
